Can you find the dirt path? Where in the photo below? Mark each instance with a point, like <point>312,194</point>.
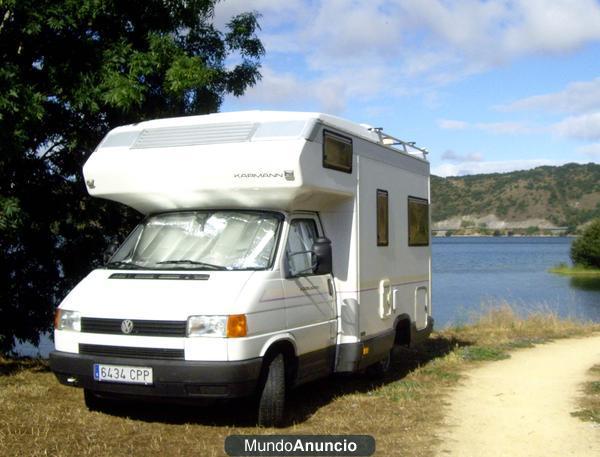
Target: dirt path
<point>521,406</point>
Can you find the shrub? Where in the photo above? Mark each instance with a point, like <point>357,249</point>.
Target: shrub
<point>585,250</point>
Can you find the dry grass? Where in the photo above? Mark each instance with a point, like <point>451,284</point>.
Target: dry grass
<point>40,417</point>
<point>501,326</point>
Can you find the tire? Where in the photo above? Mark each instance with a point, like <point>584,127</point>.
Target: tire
<point>380,368</point>
<point>271,403</point>
<point>92,401</point>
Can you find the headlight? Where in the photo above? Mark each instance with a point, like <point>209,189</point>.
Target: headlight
<point>67,320</point>
<point>234,326</point>
<point>214,326</point>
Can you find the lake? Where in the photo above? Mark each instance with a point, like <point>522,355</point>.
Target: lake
<point>468,272</point>
<point>471,272</point>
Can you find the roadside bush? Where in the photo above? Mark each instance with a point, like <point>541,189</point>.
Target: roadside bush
<point>585,250</point>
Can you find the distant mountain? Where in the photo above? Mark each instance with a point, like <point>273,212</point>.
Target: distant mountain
<point>568,195</point>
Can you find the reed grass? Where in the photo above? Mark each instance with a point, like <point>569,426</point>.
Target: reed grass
<point>576,270</point>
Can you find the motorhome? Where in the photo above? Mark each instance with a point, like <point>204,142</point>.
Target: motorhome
<point>277,248</point>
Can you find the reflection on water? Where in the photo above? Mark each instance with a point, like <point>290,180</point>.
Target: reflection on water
<point>470,272</point>
<point>585,283</point>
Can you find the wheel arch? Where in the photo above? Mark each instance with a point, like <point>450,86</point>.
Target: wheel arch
<point>402,327</point>
<point>282,344</point>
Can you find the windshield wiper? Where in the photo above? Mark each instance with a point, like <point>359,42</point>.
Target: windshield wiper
<point>193,262</point>
<point>124,265</point>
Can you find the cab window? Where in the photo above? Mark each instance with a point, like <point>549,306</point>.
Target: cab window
<point>302,235</point>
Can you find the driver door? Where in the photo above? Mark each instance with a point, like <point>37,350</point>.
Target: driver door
<point>309,298</point>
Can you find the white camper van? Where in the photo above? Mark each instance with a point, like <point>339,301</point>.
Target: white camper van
<point>277,248</point>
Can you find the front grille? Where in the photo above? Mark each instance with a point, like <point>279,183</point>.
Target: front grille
<point>131,352</point>
<point>140,327</point>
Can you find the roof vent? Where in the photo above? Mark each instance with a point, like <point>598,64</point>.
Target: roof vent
<point>194,135</point>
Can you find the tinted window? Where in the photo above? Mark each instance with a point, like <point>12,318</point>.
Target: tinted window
<point>418,222</point>
<point>337,152</point>
<point>382,218</point>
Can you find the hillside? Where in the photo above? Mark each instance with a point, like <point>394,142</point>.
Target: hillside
<point>568,195</point>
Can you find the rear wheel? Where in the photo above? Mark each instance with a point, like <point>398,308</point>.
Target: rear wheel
<point>272,395</point>
<point>379,369</point>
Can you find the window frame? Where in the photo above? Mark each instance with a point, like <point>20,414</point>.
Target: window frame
<point>342,139</point>
<point>425,202</point>
<point>386,240</point>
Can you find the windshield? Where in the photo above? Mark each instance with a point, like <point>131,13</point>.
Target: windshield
<point>201,240</point>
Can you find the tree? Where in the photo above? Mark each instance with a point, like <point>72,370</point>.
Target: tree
<point>585,250</point>
<point>72,70</point>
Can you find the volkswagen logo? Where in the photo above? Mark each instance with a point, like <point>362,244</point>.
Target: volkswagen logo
<point>127,326</point>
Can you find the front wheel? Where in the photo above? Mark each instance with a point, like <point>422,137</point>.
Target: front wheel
<point>272,395</point>
<point>92,401</point>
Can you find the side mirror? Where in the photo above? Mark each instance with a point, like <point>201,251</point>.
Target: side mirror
<point>322,250</point>
<point>110,250</point>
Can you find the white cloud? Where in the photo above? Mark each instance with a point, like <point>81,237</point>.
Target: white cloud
<point>273,13</point>
<point>584,127</point>
<point>278,90</point>
<point>349,31</point>
<point>577,97</point>
<point>455,157</point>
<point>466,26</point>
<point>502,128</point>
<point>472,168</point>
<point>387,48</point>
<point>552,26</point>
<point>494,31</point>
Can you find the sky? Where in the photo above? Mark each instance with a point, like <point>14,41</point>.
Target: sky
<point>485,86</point>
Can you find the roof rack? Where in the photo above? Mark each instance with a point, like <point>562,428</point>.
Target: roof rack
<point>389,140</point>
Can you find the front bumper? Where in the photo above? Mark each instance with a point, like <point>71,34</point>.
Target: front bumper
<point>172,379</point>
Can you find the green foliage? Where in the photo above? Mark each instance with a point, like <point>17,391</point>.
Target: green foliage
<point>10,217</point>
<point>72,70</point>
<point>482,353</point>
<point>585,250</point>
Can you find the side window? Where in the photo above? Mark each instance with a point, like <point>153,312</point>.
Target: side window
<point>337,152</point>
<point>302,235</point>
<point>418,222</point>
<point>383,227</point>
<point>128,247</point>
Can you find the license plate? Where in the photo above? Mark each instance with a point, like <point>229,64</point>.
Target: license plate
<point>122,373</point>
